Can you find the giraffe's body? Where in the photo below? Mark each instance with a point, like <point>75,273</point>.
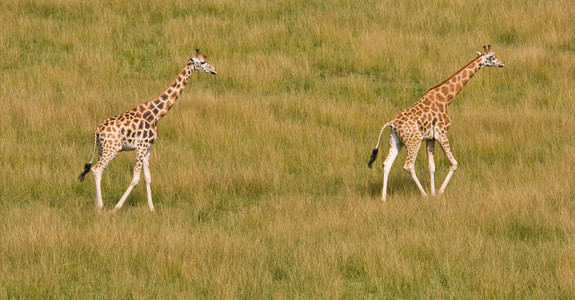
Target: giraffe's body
<point>427,120</point>
<point>136,130</point>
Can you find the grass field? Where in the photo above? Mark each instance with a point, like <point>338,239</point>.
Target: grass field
<point>260,177</point>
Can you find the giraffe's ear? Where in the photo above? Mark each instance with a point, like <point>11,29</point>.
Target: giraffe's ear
<point>478,53</point>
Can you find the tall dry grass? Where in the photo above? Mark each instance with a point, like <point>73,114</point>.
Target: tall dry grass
<point>259,173</point>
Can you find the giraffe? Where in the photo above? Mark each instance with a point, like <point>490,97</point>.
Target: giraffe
<point>427,120</point>
<point>136,130</point>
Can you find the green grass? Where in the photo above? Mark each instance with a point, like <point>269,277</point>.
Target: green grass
<point>260,176</point>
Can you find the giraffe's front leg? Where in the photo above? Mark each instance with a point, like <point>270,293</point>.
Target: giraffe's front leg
<point>430,149</point>
<point>133,183</point>
<point>148,179</point>
<point>444,143</point>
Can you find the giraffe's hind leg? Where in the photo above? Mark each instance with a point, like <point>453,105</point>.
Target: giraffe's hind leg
<point>105,157</point>
<point>98,190</point>
<point>395,146</point>
<point>409,166</point>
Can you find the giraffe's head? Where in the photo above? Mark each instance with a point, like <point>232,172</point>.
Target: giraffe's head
<point>199,63</point>
<point>488,58</point>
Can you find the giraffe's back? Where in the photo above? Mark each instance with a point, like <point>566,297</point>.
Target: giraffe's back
<point>420,122</point>
<point>127,131</point>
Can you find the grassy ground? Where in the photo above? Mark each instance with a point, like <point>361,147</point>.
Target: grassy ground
<point>260,174</point>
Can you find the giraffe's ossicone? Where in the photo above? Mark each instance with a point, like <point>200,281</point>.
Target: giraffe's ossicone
<point>136,130</point>
<point>427,120</point>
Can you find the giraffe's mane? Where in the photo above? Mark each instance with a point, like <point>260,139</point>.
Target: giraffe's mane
<point>446,80</point>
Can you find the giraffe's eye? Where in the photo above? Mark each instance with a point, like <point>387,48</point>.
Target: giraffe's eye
<point>203,62</point>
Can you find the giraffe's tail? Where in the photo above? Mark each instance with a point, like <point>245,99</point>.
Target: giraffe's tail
<point>88,165</point>
<point>87,168</point>
<point>373,157</point>
<point>376,150</point>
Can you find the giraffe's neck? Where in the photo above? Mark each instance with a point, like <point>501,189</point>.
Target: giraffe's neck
<point>156,109</point>
<point>447,90</point>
